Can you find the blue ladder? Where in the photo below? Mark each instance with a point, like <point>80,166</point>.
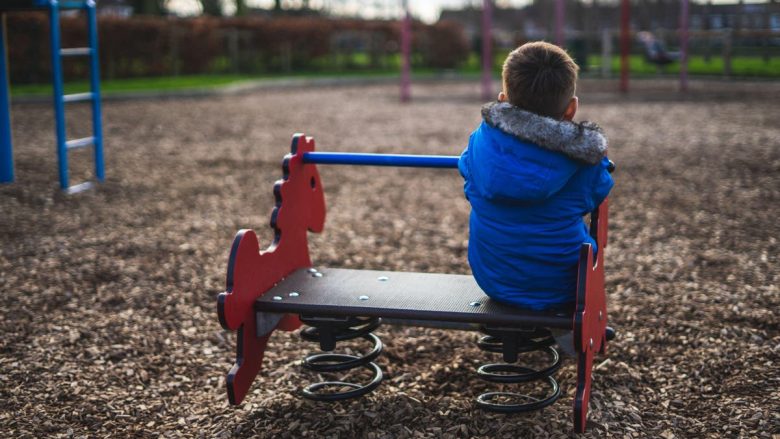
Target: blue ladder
<point>60,99</point>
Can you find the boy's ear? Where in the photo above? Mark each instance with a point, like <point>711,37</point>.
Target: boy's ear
<point>571,109</point>
<point>502,97</point>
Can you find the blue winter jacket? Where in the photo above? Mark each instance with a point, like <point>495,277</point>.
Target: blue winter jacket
<point>530,180</point>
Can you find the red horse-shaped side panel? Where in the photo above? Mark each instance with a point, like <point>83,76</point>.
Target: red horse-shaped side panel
<point>590,318</point>
<point>300,207</point>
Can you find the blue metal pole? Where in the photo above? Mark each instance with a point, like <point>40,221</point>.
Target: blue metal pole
<point>94,80</point>
<point>6,148</point>
<point>59,106</point>
<point>348,158</point>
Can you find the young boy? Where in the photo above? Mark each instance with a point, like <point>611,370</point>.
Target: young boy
<point>530,176</point>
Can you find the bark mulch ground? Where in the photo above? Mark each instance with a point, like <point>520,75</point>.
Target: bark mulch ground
<point>109,325</point>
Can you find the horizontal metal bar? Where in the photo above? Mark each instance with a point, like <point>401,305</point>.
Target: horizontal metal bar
<point>77,97</point>
<point>407,160</point>
<point>73,5</point>
<point>76,51</point>
<point>80,143</point>
<point>81,187</point>
<point>27,5</point>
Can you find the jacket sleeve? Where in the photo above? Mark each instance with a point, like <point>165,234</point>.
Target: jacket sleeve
<point>463,166</point>
<point>602,184</point>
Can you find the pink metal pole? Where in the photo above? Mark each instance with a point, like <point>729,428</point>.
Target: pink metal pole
<point>406,53</point>
<point>625,43</point>
<point>487,50</point>
<point>684,46</point>
<point>560,13</point>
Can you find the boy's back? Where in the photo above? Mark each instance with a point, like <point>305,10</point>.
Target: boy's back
<point>530,179</point>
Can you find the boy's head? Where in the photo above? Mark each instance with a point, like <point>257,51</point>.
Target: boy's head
<point>541,78</point>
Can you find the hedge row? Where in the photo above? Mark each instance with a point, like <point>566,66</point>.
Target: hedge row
<point>151,46</point>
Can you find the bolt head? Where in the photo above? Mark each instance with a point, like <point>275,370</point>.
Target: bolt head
<point>363,298</point>
<point>294,294</point>
<point>277,298</point>
<point>312,270</point>
<point>383,278</point>
<point>475,304</point>
<point>316,274</point>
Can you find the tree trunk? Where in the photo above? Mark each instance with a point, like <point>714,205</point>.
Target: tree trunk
<point>211,7</point>
<point>241,8</point>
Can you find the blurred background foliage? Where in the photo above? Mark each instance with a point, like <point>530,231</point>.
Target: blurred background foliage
<point>229,39</point>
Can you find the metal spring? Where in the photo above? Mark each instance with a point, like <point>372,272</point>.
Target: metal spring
<point>506,373</point>
<point>329,331</point>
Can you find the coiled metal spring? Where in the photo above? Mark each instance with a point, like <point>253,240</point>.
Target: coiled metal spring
<point>328,331</point>
<point>511,342</point>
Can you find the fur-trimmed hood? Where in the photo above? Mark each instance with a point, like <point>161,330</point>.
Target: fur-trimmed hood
<point>584,141</point>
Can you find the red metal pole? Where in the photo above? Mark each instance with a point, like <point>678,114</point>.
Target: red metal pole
<point>684,46</point>
<point>560,13</point>
<point>625,43</point>
<point>406,53</point>
<point>487,50</point>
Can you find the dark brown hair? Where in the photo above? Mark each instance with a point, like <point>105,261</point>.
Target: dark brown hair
<point>541,78</point>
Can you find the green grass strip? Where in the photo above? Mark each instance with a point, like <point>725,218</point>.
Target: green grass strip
<point>741,66</point>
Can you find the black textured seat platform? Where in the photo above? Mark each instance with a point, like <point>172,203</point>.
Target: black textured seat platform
<point>333,292</point>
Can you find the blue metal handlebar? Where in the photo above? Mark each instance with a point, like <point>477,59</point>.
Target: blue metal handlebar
<point>407,160</point>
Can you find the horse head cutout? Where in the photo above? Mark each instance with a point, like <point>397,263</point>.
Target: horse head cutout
<point>300,207</point>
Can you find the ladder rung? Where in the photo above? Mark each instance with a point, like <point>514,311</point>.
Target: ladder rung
<point>80,143</point>
<point>76,51</point>
<point>73,5</point>
<point>81,187</point>
<point>77,97</point>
